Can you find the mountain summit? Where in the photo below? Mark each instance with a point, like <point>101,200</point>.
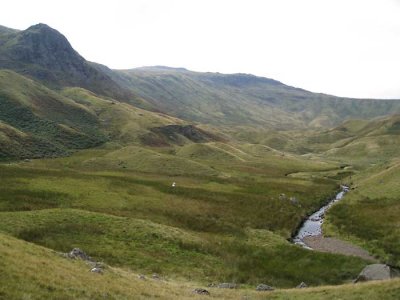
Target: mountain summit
<point>44,46</point>
<point>44,54</point>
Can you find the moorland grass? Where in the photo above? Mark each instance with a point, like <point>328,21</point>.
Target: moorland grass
<point>63,203</point>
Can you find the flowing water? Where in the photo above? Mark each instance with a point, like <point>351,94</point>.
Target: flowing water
<point>312,226</point>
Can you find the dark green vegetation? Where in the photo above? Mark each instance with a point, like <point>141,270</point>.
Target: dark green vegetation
<point>267,158</point>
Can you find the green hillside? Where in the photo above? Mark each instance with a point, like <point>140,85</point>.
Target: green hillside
<point>38,122</point>
<point>243,99</point>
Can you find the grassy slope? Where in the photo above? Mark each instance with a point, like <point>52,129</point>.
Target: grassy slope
<point>36,273</point>
<point>38,122</point>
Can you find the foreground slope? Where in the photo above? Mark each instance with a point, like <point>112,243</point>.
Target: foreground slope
<point>34,272</point>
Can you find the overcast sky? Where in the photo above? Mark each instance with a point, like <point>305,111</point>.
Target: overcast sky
<point>341,47</point>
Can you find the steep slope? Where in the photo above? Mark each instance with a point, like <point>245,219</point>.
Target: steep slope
<point>37,122</point>
<point>242,99</point>
<point>43,53</point>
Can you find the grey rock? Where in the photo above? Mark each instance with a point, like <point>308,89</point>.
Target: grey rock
<point>156,276</point>
<point>142,277</point>
<point>227,285</point>
<point>201,292</point>
<point>77,253</point>
<point>302,285</point>
<point>374,272</point>
<point>97,270</point>
<point>264,287</point>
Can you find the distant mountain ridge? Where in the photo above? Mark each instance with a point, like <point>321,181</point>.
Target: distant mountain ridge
<point>228,100</point>
<point>245,99</point>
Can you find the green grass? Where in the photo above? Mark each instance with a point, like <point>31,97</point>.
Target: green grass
<point>35,272</point>
<point>147,247</point>
<point>211,222</point>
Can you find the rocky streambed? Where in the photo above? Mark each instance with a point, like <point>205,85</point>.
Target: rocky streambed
<point>310,234</point>
<point>312,226</point>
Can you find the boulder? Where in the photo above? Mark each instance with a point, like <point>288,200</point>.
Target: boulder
<point>302,285</point>
<point>264,287</point>
<point>227,285</point>
<point>201,292</point>
<point>374,272</point>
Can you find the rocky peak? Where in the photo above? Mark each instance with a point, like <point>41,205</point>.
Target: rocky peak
<point>45,46</point>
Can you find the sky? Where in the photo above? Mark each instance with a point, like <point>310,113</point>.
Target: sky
<point>347,48</point>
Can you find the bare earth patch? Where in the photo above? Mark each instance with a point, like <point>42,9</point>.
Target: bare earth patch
<point>332,245</point>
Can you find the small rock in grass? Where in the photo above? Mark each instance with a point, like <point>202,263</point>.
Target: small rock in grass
<point>227,285</point>
<point>263,287</point>
<point>201,292</point>
<point>97,270</point>
<point>142,277</point>
<point>156,276</point>
<point>302,285</point>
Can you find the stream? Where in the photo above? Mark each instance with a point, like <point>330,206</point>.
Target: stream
<point>312,226</point>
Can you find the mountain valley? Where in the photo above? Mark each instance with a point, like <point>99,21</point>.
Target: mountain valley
<point>197,178</point>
